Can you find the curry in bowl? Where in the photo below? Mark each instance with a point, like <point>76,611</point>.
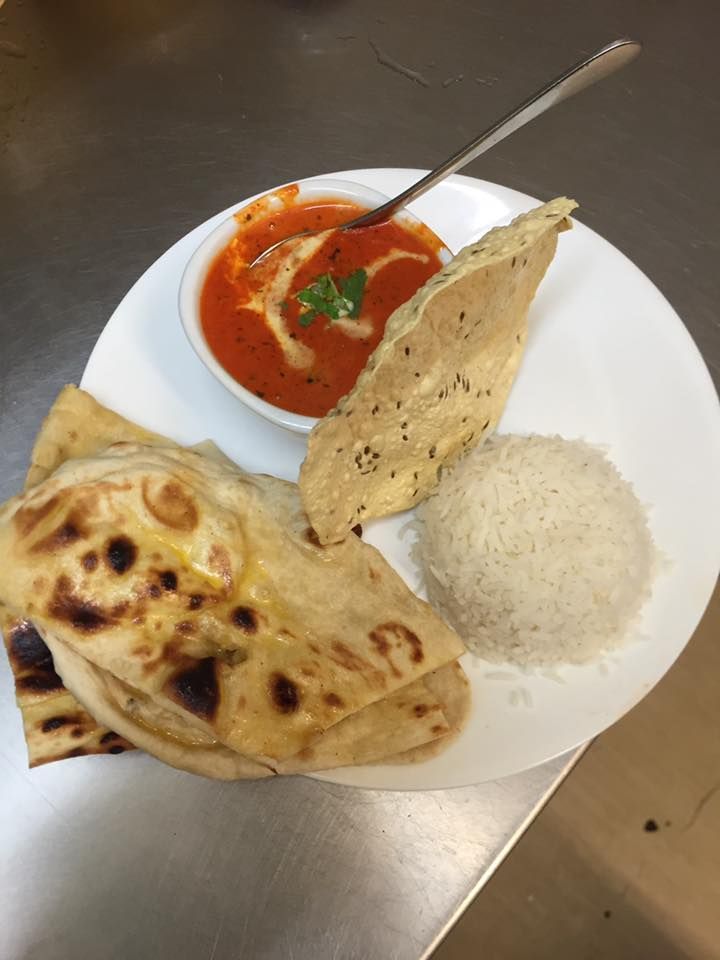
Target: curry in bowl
<point>297,328</point>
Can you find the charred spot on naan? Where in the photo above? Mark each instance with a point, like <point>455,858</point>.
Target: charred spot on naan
<point>81,723</point>
<point>31,660</point>
<point>194,687</point>
<point>86,616</point>
<point>28,517</point>
<point>344,657</point>
<point>381,644</point>
<point>245,618</point>
<point>171,503</point>
<point>388,636</point>
<point>27,647</point>
<point>284,693</point>
<point>54,723</point>
<point>121,554</point>
<point>422,709</point>
<point>86,751</point>
<point>65,535</point>
<point>64,518</point>
<point>168,580</point>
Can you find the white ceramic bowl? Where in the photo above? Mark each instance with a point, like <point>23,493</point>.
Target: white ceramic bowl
<point>199,264</point>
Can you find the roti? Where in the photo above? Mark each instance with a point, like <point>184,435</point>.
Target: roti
<point>437,383</point>
<point>408,719</point>
<point>377,733</point>
<point>452,688</point>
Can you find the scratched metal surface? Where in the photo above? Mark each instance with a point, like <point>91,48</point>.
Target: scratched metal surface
<point>121,126</point>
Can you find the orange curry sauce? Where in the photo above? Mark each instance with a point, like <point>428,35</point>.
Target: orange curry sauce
<point>233,311</point>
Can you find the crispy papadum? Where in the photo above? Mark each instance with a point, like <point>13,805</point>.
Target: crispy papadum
<point>437,383</point>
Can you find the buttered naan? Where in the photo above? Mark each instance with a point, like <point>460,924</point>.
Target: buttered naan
<point>169,581</point>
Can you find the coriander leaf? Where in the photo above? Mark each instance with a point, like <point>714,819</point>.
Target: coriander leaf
<point>353,288</point>
<point>323,297</point>
<point>327,287</point>
<point>311,299</point>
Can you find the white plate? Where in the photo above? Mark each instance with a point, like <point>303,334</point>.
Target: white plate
<point>607,359</point>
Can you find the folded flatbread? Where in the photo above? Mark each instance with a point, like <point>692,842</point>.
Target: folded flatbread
<point>55,725</point>
<point>170,581</point>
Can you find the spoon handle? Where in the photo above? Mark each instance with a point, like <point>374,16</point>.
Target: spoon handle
<point>600,64</point>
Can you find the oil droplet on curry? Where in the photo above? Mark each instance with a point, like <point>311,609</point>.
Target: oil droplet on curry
<point>298,328</point>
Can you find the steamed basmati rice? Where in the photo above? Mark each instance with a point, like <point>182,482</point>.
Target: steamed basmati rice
<point>536,551</point>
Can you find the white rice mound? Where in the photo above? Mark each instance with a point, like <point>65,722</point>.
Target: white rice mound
<point>536,551</point>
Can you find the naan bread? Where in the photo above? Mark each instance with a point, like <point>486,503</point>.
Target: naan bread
<point>375,734</point>
<point>451,687</point>
<point>78,426</point>
<point>166,570</point>
<point>437,383</point>
<point>55,725</point>
<point>49,711</point>
<point>413,715</point>
<point>173,742</point>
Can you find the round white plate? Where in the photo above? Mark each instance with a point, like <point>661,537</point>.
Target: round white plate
<point>607,359</point>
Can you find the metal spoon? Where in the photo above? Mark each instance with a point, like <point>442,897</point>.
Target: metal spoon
<point>600,64</point>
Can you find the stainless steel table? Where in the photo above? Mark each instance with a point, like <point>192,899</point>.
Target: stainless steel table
<point>122,124</point>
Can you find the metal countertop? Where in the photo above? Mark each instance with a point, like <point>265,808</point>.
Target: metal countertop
<point>122,125</point>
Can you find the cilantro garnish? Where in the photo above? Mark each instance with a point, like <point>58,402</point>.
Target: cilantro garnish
<point>353,288</point>
<point>322,298</point>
